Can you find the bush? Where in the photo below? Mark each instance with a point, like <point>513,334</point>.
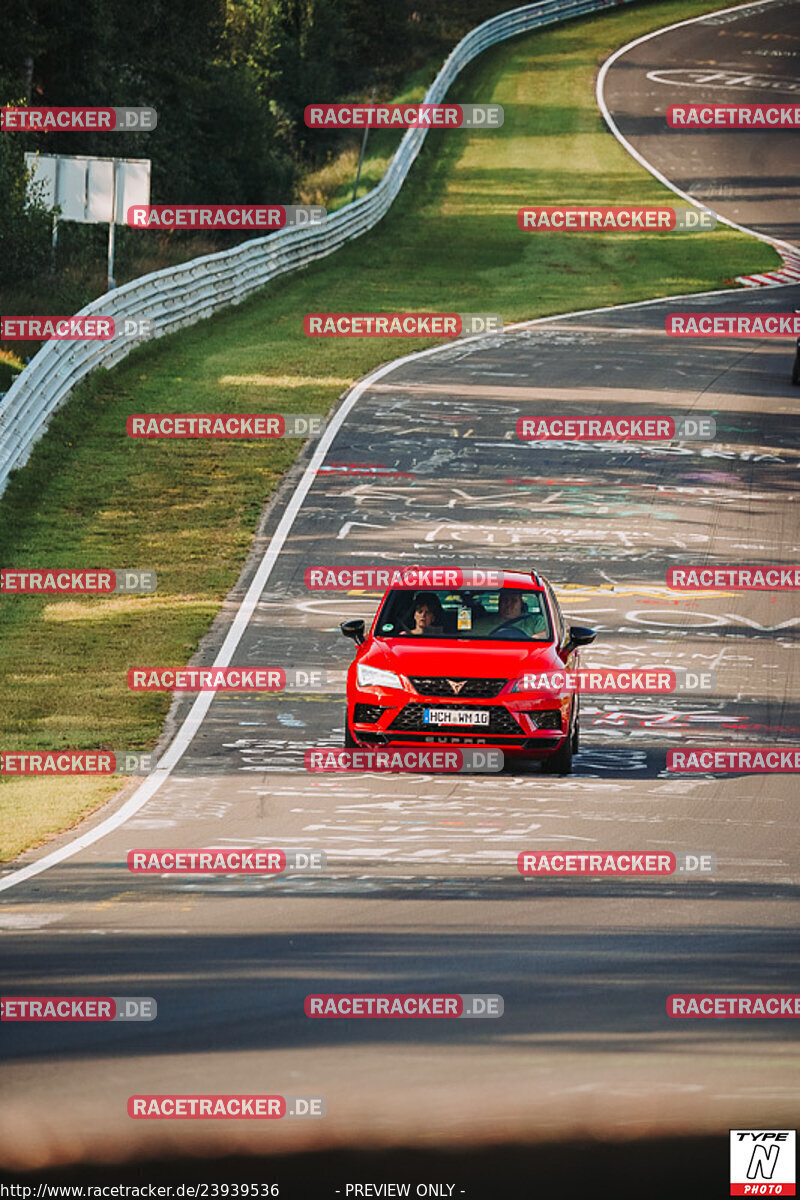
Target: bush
<point>25,229</point>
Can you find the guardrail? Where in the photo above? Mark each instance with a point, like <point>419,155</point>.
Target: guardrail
<point>178,296</point>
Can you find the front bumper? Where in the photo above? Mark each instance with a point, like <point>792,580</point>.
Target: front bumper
<point>390,717</point>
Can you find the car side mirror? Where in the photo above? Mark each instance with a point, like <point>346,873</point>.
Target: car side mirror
<point>580,635</point>
<point>353,629</point>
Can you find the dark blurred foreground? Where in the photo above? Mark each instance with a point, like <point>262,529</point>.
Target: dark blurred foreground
<point>683,1167</point>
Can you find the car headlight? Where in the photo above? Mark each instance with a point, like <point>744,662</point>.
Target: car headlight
<point>374,677</point>
<point>535,681</point>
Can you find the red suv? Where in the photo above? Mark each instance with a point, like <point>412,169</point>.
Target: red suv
<point>455,667</point>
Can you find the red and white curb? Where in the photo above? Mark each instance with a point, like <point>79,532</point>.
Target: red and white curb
<point>789,273</point>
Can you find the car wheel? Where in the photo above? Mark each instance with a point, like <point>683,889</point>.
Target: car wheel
<point>576,738</point>
<point>560,763</point>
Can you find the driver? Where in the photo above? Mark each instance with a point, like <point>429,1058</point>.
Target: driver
<point>512,613</point>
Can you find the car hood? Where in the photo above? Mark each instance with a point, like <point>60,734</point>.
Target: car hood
<point>461,660</point>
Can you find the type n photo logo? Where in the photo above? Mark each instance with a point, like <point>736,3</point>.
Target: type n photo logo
<point>762,1162</point>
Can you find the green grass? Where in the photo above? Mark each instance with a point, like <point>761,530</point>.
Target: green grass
<point>90,497</point>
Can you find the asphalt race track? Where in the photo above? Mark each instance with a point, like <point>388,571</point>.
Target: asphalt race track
<point>421,891</point>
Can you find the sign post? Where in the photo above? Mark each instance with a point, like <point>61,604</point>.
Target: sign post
<point>112,224</point>
<point>92,191</point>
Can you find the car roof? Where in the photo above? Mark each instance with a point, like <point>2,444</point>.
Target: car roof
<point>532,581</point>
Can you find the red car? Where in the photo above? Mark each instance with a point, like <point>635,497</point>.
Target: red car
<point>450,666</point>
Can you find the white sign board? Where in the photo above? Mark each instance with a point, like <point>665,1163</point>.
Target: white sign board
<point>83,187</point>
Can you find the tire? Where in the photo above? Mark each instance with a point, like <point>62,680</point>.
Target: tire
<point>560,763</point>
<point>350,742</point>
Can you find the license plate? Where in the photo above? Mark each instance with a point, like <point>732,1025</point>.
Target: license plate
<point>454,716</point>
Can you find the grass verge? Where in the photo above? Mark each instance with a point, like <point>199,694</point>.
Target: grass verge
<point>89,497</point>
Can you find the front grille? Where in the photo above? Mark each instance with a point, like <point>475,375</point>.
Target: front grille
<point>473,689</point>
<point>500,721</point>
<point>368,714</point>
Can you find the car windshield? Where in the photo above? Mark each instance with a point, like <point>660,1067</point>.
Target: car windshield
<point>509,614</point>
